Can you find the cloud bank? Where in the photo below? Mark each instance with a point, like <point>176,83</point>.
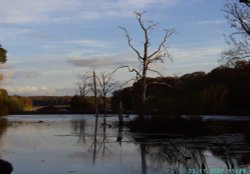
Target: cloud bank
<point>36,91</point>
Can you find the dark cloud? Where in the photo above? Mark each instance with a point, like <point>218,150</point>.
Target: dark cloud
<point>99,62</point>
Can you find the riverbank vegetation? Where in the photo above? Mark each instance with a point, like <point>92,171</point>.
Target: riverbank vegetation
<point>224,90</point>
<point>13,104</point>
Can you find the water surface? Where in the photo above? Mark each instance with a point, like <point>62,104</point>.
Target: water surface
<point>62,144</point>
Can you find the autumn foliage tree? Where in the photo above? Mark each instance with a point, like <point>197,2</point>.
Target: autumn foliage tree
<point>3,56</point>
<point>3,94</point>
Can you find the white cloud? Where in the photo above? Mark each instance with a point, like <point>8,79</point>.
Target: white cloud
<point>87,43</point>
<point>212,22</point>
<point>36,91</point>
<point>7,76</point>
<point>12,34</point>
<point>40,35</point>
<point>5,66</point>
<point>29,11</point>
<point>27,74</point>
<point>189,54</point>
<point>25,11</point>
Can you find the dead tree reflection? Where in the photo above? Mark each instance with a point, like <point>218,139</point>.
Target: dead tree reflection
<point>78,128</point>
<point>178,154</point>
<point>226,150</point>
<point>93,137</point>
<point>143,158</point>
<point>120,134</point>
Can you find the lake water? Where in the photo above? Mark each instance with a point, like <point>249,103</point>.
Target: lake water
<point>63,144</point>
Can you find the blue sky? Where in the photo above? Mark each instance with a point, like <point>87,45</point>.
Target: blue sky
<point>51,42</point>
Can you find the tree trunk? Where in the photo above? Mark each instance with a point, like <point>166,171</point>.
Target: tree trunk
<point>104,110</point>
<point>143,98</point>
<point>120,113</point>
<point>95,93</point>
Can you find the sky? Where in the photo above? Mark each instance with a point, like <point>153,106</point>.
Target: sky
<point>50,43</point>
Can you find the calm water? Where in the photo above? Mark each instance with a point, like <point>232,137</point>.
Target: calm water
<point>63,144</point>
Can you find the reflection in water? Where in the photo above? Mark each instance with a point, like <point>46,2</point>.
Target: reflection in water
<point>3,126</point>
<point>78,128</point>
<point>178,154</point>
<point>5,167</point>
<point>119,134</point>
<point>143,158</point>
<point>80,141</point>
<point>95,139</point>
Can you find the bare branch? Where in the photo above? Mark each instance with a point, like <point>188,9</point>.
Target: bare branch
<point>139,19</point>
<point>129,42</point>
<point>238,16</point>
<point>144,58</point>
<point>157,72</point>
<point>168,33</point>
<point>130,70</point>
<point>126,82</point>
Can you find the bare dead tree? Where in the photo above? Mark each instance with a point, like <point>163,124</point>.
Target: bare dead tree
<point>83,84</point>
<point>88,85</point>
<point>106,84</point>
<point>145,58</point>
<point>238,17</point>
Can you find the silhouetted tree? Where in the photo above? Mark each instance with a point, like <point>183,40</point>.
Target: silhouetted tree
<point>145,58</point>
<point>81,103</point>
<point>238,17</point>
<point>224,90</point>
<point>105,85</point>
<point>82,84</point>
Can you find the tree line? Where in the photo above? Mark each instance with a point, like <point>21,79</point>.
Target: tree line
<point>13,104</point>
<point>224,90</point>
